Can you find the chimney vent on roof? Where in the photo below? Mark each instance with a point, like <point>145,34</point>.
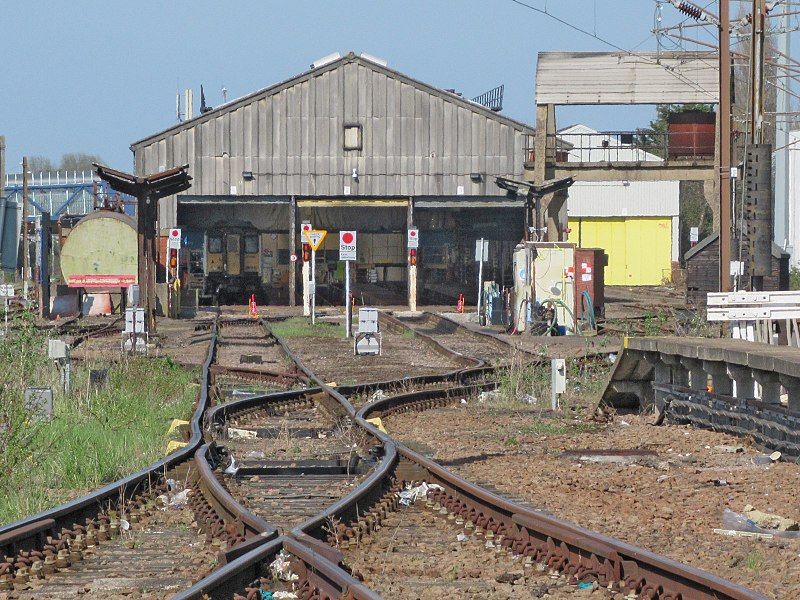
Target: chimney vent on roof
<point>321,62</point>
<point>374,59</point>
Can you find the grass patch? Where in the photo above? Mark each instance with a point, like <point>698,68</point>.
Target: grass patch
<point>560,427</point>
<point>94,437</point>
<point>297,327</point>
<point>524,384</point>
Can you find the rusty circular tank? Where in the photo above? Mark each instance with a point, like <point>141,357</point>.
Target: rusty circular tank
<point>691,134</point>
<point>101,251</point>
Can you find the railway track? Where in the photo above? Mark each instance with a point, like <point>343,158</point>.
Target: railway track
<point>488,545</point>
<point>77,548</point>
<point>298,484</point>
<point>458,338</point>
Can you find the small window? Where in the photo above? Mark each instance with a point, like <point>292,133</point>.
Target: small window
<point>251,244</point>
<point>352,137</point>
<point>214,245</point>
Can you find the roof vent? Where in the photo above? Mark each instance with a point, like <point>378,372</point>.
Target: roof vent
<point>374,59</point>
<point>321,62</point>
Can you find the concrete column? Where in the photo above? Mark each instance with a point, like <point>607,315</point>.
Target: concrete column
<point>680,376</point>
<point>412,269</point>
<point>662,374</point>
<point>306,275</point>
<point>292,251</point>
<point>412,288</point>
<point>698,378</point>
<point>720,380</point>
<point>792,385</point>
<point>770,386</point>
<point>544,167</point>
<point>742,380</point>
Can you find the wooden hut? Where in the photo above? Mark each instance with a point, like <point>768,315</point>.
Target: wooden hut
<point>702,270</point>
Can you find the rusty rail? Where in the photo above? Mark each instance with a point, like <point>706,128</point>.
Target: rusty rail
<point>577,552</point>
<point>318,576</point>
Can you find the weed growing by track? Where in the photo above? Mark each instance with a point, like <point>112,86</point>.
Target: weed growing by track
<point>95,436</point>
<point>528,383</point>
<point>296,327</point>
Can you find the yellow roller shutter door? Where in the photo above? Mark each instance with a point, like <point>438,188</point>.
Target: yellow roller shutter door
<point>639,248</point>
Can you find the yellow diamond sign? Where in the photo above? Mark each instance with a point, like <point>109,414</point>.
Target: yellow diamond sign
<point>315,237</point>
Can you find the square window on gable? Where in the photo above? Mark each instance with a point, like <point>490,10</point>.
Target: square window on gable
<point>352,137</point>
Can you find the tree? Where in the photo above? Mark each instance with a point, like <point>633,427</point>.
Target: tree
<point>40,163</point>
<point>78,161</point>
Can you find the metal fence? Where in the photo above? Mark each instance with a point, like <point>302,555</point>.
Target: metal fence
<point>57,192</point>
<point>625,146</point>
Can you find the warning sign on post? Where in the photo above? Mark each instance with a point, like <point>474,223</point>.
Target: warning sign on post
<point>315,237</point>
<point>413,238</point>
<point>174,240</point>
<point>347,245</point>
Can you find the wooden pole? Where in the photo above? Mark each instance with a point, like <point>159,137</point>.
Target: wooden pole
<point>724,174</point>
<point>25,253</point>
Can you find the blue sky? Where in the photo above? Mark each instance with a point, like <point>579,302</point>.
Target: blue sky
<point>94,76</point>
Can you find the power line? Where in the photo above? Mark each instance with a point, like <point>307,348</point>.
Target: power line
<point>579,29</point>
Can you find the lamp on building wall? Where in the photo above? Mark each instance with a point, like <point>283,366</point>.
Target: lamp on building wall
<point>248,175</point>
<point>476,177</point>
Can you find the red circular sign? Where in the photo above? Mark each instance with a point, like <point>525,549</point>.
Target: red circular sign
<point>347,237</point>
<point>413,233</point>
<point>174,233</point>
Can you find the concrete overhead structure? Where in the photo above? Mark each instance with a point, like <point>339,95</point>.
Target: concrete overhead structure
<point>616,78</point>
<point>622,78</point>
<point>348,144</point>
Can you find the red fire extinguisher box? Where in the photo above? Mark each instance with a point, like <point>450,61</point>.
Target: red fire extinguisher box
<point>590,264</point>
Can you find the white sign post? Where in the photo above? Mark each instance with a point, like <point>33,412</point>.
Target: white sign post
<point>347,252</point>
<point>6,293</point>
<point>306,269</point>
<point>315,238</point>
<point>481,254</point>
<point>413,245</point>
<point>173,243</point>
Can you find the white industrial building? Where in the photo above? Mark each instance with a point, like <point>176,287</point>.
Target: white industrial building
<point>636,222</point>
<point>793,237</point>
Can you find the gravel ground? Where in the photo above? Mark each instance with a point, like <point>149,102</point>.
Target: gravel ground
<point>248,339</point>
<point>668,503</point>
<point>458,338</point>
<point>185,341</point>
<point>567,346</point>
<point>416,555</point>
<point>333,360</point>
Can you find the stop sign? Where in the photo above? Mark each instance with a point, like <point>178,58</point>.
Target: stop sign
<point>347,245</point>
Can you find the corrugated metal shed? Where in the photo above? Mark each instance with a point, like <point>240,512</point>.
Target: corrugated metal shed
<point>621,199</point>
<point>417,140</point>
<point>620,78</point>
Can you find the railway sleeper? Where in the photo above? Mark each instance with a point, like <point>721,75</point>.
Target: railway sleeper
<point>62,549</point>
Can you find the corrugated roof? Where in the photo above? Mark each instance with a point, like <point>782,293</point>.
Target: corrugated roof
<point>777,251</point>
<point>620,78</point>
<point>351,57</point>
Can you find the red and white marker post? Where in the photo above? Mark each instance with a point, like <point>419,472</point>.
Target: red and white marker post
<point>347,253</point>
